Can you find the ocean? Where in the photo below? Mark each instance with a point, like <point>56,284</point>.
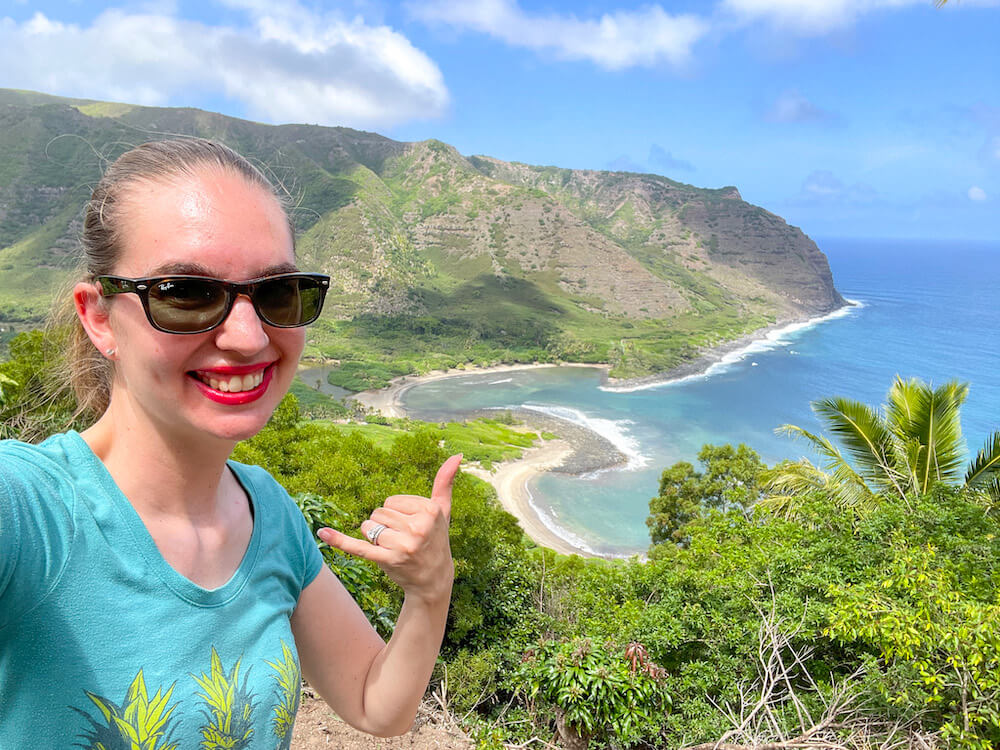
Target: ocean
<point>924,309</point>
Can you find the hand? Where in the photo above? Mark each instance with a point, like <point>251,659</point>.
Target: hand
<point>413,550</point>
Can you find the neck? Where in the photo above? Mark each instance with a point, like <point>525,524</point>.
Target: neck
<point>160,472</point>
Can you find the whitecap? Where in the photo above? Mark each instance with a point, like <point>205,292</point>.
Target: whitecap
<point>779,337</point>
<point>614,431</point>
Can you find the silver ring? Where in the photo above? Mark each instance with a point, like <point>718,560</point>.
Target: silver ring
<point>374,532</point>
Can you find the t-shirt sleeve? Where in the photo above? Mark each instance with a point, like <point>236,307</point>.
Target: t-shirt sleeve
<point>36,530</point>
<point>297,539</point>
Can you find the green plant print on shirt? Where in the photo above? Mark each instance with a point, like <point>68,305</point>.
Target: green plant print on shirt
<point>229,707</point>
<point>139,723</point>
<point>288,677</point>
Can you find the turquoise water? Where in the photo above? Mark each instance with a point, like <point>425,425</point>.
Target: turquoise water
<point>928,310</point>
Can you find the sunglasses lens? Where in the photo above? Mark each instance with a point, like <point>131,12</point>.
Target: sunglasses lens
<point>289,301</point>
<point>187,305</point>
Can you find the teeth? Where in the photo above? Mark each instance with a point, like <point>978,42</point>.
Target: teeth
<point>235,384</point>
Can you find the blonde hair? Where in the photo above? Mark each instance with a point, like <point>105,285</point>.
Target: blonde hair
<point>86,370</point>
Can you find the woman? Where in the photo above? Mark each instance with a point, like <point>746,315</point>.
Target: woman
<point>152,594</point>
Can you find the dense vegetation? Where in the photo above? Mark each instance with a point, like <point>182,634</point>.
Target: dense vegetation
<point>773,606</point>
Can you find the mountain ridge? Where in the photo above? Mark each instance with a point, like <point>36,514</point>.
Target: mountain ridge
<point>439,258</point>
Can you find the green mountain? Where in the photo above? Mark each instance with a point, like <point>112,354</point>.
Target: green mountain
<point>438,258</point>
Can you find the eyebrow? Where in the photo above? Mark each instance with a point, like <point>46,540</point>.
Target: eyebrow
<point>196,269</point>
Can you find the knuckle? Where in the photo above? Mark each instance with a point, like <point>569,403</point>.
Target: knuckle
<point>410,546</point>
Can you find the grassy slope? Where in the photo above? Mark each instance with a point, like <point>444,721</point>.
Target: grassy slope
<point>483,441</point>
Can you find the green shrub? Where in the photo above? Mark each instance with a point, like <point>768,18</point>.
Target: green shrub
<point>598,691</point>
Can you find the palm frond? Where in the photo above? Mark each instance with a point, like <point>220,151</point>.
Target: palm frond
<point>904,401</point>
<point>820,443</point>
<point>786,483</point>
<point>839,479</point>
<point>986,466</point>
<point>850,492</point>
<point>910,456</point>
<point>866,437</point>
<point>992,490</point>
<point>938,426</point>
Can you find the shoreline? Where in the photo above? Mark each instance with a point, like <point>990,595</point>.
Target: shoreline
<point>726,353</point>
<point>577,451</point>
<point>511,479</point>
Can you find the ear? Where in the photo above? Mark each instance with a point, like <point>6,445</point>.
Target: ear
<point>93,315</point>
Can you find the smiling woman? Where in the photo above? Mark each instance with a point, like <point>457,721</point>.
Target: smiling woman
<point>134,556</point>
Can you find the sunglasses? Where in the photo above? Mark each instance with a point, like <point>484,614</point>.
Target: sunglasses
<point>196,304</point>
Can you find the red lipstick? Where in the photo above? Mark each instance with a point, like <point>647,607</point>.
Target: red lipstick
<point>240,397</point>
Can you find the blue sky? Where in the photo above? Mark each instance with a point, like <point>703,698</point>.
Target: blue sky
<point>868,118</point>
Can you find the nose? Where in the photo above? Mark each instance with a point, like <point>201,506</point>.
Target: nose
<point>242,331</point>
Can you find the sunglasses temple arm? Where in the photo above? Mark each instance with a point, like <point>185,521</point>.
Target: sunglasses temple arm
<point>115,285</point>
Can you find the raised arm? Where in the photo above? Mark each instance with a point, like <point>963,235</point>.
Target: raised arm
<point>373,685</point>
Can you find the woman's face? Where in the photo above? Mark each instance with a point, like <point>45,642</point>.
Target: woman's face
<point>225,382</point>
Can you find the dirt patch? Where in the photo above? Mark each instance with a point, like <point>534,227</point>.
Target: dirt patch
<point>316,726</point>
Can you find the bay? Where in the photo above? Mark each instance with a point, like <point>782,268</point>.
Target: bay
<point>926,310</point>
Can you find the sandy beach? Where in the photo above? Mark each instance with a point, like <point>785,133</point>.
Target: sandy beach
<point>511,483</point>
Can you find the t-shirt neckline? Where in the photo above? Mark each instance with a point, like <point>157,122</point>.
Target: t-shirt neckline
<point>182,586</point>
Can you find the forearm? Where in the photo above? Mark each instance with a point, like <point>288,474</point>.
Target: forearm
<point>377,686</point>
<point>399,674</point>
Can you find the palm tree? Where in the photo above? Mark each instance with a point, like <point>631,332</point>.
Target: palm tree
<point>903,449</point>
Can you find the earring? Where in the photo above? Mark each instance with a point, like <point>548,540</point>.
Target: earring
<point>110,352</point>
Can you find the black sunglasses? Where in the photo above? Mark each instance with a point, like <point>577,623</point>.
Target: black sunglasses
<point>195,304</point>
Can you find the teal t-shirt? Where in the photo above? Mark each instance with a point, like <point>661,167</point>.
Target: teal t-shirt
<point>104,645</point>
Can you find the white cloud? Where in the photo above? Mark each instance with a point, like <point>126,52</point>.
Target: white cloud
<point>791,106</point>
<point>810,17</point>
<point>976,193</point>
<point>817,17</point>
<point>646,37</point>
<point>822,186</point>
<point>287,64</point>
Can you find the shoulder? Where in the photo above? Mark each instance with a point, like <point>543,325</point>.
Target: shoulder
<point>272,504</point>
<point>282,524</point>
<point>261,486</point>
<point>38,502</point>
<point>45,467</point>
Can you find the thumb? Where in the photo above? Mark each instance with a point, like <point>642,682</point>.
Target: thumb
<point>441,494</point>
